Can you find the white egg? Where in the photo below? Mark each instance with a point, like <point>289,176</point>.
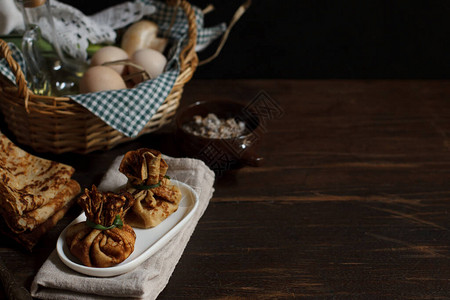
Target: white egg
<point>101,78</point>
<point>109,54</point>
<point>152,61</point>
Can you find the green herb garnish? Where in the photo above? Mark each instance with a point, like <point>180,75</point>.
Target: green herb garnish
<point>147,187</point>
<point>117,223</point>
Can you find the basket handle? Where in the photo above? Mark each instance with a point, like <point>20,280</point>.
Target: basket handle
<point>188,56</point>
<point>237,15</point>
<point>22,88</point>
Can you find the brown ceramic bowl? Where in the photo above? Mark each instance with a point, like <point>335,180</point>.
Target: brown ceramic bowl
<point>221,154</point>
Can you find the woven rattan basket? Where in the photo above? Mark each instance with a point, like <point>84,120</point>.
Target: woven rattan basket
<point>59,124</point>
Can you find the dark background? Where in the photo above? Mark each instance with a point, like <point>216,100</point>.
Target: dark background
<point>326,39</point>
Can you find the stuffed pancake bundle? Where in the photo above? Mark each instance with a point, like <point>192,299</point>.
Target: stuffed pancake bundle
<point>107,238</point>
<point>103,240</point>
<point>155,196</point>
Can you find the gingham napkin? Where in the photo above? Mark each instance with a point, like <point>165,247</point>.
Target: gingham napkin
<point>129,110</point>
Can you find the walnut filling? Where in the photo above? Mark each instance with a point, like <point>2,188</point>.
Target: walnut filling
<point>213,127</point>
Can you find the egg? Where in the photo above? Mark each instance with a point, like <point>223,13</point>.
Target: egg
<point>109,54</point>
<point>152,61</point>
<point>101,78</point>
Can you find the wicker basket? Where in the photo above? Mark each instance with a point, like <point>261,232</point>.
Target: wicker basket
<point>59,124</point>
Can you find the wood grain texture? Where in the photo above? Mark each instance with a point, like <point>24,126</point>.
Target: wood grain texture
<point>351,202</point>
<point>12,289</point>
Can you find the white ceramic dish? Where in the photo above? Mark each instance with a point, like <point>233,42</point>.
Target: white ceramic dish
<point>148,241</point>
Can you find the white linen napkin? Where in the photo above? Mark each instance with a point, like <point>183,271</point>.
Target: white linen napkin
<point>56,281</point>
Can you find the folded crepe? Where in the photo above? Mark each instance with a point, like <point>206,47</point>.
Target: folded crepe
<point>156,197</point>
<point>30,238</point>
<point>35,193</point>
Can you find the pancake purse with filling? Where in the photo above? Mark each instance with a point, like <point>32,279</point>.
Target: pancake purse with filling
<point>103,240</point>
<point>155,196</point>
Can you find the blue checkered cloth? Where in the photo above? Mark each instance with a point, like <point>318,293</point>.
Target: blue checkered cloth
<point>129,110</point>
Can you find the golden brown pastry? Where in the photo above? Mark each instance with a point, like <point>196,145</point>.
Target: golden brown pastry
<point>29,239</point>
<point>35,193</point>
<point>155,196</point>
<point>102,240</point>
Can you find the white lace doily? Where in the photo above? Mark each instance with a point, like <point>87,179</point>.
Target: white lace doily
<point>75,31</point>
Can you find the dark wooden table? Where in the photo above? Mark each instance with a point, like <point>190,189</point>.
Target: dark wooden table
<point>352,201</point>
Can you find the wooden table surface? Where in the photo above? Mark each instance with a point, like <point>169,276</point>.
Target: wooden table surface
<point>352,201</point>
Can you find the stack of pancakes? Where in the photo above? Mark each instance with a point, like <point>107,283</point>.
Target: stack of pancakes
<point>35,193</point>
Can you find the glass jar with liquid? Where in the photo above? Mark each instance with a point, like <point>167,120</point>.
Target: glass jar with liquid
<point>49,70</point>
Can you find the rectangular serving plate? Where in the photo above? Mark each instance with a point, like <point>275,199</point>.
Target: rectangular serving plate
<point>148,241</point>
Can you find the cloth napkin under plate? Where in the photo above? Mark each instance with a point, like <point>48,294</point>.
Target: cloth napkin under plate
<point>56,281</point>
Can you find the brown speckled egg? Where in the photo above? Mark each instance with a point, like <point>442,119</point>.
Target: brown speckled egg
<point>152,61</point>
<point>101,78</point>
<point>110,54</point>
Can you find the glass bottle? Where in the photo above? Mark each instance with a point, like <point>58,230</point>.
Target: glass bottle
<point>49,71</point>
<point>37,73</point>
